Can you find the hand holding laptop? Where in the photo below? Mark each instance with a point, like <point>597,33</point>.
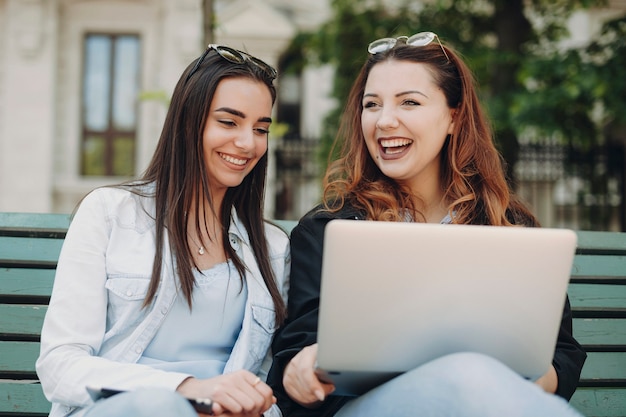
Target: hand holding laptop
<point>301,380</point>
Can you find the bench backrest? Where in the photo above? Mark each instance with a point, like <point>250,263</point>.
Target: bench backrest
<point>30,245</point>
<point>597,293</point>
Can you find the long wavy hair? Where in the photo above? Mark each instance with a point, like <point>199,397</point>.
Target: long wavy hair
<point>180,179</point>
<point>472,170</point>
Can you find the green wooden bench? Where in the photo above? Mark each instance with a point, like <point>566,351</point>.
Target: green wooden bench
<point>30,245</point>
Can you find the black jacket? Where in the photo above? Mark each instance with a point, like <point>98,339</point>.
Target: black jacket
<point>300,328</point>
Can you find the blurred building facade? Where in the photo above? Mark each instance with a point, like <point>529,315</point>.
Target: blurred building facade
<point>84,86</point>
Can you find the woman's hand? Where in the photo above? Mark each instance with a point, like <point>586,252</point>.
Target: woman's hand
<point>549,381</point>
<point>240,393</point>
<point>300,381</point>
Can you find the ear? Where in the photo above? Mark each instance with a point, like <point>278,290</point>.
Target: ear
<point>451,125</point>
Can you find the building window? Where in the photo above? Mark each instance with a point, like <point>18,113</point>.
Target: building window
<point>109,104</point>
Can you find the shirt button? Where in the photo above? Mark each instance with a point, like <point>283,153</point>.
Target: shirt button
<point>138,349</point>
<point>129,293</point>
<point>163,310</point>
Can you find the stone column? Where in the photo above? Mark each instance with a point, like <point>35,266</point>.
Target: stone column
<point>27,91</point>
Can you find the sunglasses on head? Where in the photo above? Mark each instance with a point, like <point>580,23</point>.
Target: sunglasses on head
<point>419,39</point>
<point>236,57</point>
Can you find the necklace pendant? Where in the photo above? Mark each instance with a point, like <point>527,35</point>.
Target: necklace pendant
<point>201,250</point>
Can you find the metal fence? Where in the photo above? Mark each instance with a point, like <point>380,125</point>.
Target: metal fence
<point>581,189</point>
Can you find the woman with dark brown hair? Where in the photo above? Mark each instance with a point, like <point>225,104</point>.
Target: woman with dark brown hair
<point>169,288</point>
<point>415,147</point>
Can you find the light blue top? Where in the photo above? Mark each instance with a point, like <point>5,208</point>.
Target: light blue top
<point>199,342</point>
<point>446,220</point>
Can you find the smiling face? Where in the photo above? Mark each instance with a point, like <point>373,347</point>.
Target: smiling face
<point>405,121</point>
<point>236,130</point>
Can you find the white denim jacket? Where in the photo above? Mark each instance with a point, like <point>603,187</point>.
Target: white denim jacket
<point>95,329</point>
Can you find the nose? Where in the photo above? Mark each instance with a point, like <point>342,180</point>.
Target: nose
<point>387,119</point>
<point>245,140</point>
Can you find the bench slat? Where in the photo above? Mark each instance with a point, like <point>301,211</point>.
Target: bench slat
<point>599,266</point>
<point>286,225</point>
<point>35,251</point>
<point>18,358</point>
<point>600,402</point>
<point>26,282</point>
<point>591,332</point>
<point>18,321</point>
<point>608,241</point>
<point>34,221</point>
<point>605,366</point>
<point>23,399</point>
<point>597,296</point>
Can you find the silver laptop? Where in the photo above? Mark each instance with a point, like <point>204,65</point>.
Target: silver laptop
<point>397,295</point>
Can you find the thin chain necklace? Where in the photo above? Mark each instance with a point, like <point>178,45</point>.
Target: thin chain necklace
<point>201,250</point>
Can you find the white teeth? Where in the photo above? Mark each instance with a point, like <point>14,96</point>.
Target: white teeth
<point>394,143</point>
<point>390,151</point>
<point>233,160</point>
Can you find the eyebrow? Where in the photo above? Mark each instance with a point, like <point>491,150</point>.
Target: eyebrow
<point>242,115</point>
<point>403,93</point>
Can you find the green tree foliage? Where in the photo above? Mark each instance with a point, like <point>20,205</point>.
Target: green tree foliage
<point>608,59</point>
<point>578,93</point>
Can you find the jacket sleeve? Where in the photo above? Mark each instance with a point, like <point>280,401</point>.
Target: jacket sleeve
<point>75,322</point>
<point>569,356</point>
<point>300,328</point>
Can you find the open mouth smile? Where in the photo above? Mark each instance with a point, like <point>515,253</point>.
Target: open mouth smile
<point>394,146</point>
<point>233,160</point>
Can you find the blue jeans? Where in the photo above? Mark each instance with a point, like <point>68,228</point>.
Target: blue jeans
<point>459,385</point>
<point>148,402</point>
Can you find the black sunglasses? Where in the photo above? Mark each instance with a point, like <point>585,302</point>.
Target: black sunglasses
<point>236,57</point>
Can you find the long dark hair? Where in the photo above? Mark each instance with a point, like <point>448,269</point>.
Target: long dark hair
<point>180,179</point>
<point>472,171</point>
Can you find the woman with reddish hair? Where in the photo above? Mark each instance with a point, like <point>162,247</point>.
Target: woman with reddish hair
<point>415,146</point>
